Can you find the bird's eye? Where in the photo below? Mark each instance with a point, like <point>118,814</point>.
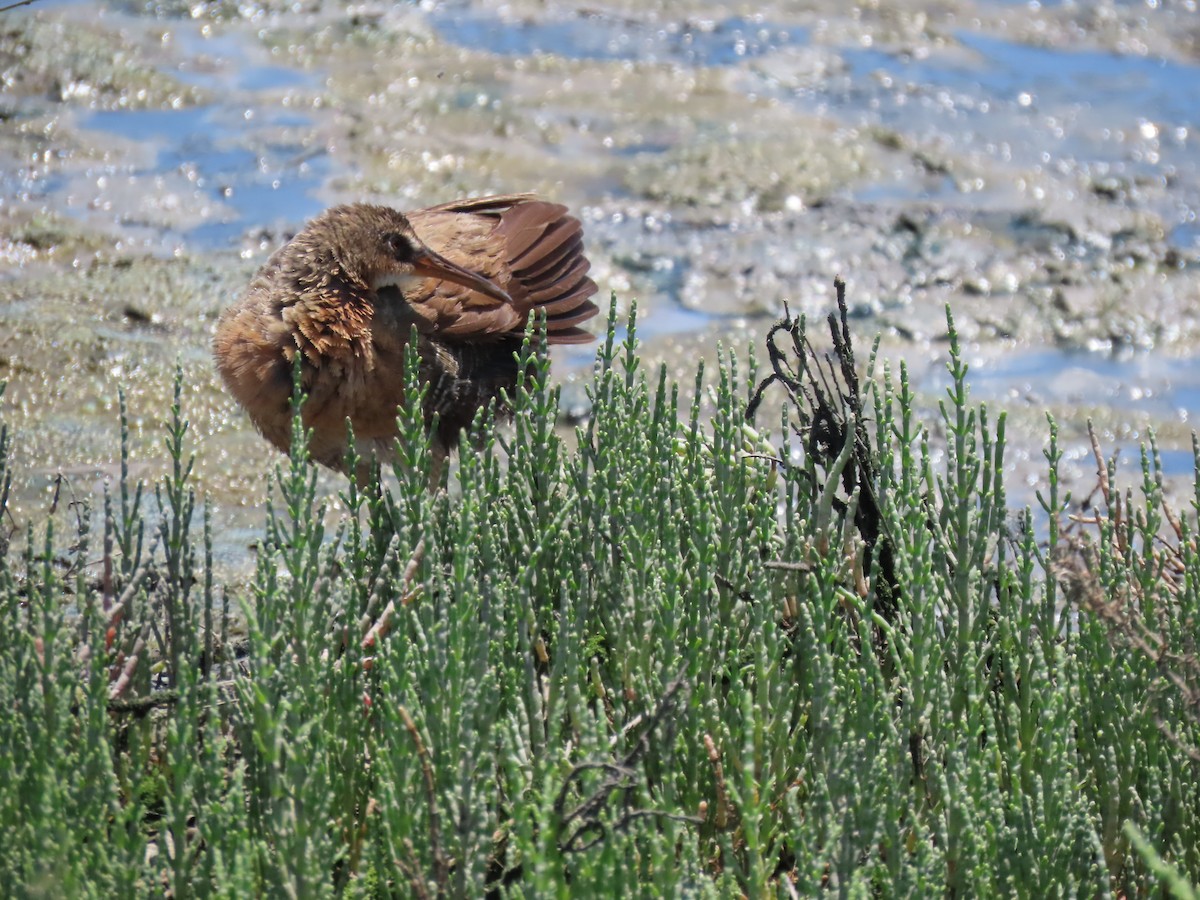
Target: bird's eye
<point>400,247</point>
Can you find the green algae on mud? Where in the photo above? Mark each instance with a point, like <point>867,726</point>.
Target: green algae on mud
<point>74,338</point>
<point>788,170</point>
<point>69,60</point>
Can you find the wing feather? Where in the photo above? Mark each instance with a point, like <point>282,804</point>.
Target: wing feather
<point>531,248</point>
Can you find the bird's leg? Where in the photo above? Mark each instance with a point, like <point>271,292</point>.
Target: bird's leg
<point>370,478</point>
<point>437,465</point>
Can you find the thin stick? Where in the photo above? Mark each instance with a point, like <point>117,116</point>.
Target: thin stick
<point>384,623</point>
<point>440,864</point>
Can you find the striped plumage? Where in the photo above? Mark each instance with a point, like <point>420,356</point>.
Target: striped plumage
<point>346,291</point>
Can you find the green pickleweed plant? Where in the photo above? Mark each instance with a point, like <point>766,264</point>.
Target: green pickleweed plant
<point>667,655</point>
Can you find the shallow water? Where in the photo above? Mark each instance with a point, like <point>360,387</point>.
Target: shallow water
<point>274,185</point>
<point>1163,386</point>
<point>1087,115</point>
<point>1036,166</point>
<point>592,35</point>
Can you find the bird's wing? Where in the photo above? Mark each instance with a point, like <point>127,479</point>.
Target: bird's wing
<point>530,248</point>
<point>491,203</point>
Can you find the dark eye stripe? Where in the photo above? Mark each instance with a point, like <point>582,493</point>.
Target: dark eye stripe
<point>401,247</point>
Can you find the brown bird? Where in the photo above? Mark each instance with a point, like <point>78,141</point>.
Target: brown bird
<point>347,290</point>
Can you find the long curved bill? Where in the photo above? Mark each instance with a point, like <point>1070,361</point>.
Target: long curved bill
<point>429,264</point>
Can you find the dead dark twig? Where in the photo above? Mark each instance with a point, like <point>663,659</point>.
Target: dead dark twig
<point>620,775</point>
<point>825,393</point>
<point>139,706</point>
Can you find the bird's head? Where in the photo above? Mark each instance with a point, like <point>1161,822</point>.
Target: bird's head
<point>376,247</point>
